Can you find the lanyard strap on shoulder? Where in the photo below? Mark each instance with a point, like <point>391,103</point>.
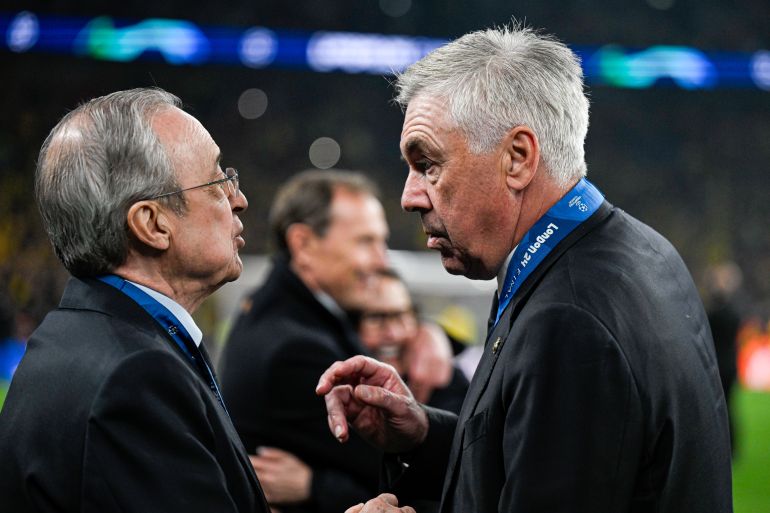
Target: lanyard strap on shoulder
<point>561,219</point>
<point>169,322</point>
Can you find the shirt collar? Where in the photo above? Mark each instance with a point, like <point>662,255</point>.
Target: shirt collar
<point>329,303</point>
<point>175,308</point>
<point>503,270</point>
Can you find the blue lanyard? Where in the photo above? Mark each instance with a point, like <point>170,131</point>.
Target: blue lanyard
<point>561,219</point>
<point>169,322</point>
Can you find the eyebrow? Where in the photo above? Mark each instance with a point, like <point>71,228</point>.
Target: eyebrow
<point>414,144</point>
<point>422,146</point>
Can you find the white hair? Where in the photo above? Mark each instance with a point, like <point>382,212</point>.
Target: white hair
<point>494,80</point>
<point>96,162</point>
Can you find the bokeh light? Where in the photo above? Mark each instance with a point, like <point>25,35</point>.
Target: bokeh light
<point>324,152</point>
<point>23,32</point>
<point>252,103</point>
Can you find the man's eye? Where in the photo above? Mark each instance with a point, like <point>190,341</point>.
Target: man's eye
<point>423,165</point>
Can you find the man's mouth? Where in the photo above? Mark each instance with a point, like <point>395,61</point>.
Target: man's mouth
<point>437,239</point>
<point>238,237</point>
<point>436,242</point>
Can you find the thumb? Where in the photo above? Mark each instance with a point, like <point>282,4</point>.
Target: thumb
<point>388,498</point>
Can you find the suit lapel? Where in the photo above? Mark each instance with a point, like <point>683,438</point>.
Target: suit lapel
<point>498,334</point>
<point>489,358</point>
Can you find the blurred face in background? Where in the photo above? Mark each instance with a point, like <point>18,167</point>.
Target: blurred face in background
<point>388,322</point>
<point>346,260</point>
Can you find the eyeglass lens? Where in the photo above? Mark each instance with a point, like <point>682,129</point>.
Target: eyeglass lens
<point>231,186</point>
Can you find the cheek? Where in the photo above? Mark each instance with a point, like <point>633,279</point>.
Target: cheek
<point>369,336</point>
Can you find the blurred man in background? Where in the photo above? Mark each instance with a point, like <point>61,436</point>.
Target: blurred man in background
<point>723,282</point>
<point>330,231</point>
<point>598,389</point>
<point>114,406</point>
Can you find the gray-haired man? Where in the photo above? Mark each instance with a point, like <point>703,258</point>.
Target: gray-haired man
<point>114,406</point>
<point>598,389</point>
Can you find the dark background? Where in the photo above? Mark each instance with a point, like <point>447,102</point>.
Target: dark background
<point>693,164</point>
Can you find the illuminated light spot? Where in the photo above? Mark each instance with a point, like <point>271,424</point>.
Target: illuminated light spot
<point>365,53</point>
<point>661,5</point>
<point>395,8</point>
<point>179,42</point>
<point>686,67</point>
<point>252,103</point>
<point>23,32</point>
<point>760,69</point>
<point>258,47</point>
<point>324,152</point>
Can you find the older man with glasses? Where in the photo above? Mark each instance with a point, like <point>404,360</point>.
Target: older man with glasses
<point>115,406</point>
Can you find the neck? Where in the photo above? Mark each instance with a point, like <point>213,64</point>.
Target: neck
<point>188,293</point>
<point>537,199</point>
<point>305,276</point>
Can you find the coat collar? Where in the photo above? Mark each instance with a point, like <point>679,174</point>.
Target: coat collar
<point>285,282</point>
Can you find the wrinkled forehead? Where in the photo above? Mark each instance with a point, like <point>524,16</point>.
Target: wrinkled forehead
<point>184,138</point>
<point>426,123</point>
<point>356,210</point>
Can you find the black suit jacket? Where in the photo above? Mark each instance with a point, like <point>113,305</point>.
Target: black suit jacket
<point>106,414</point>
<point>598,391</point>
<point>279,346</point>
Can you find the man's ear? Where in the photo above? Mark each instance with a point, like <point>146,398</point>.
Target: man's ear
<point>521,157</point>
<point>148,222</point>
<point>301,240</point>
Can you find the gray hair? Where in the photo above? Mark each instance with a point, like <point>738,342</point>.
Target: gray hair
<point>496,79</point>
<point>307,198</point>
<point>97,161</point>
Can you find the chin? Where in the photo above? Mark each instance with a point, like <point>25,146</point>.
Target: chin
<point>236,268</point>
<point>453,264</point>
<point>471,270</point>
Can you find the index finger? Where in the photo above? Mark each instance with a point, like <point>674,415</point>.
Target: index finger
<point>350,372</point>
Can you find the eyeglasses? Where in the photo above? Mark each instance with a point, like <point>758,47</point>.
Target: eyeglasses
<point>229,185</point>
<point>379,320</point>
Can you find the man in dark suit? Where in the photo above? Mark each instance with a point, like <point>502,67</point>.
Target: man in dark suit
<point>598,389</point>
<point>114,406</point>
<point>330,232</point>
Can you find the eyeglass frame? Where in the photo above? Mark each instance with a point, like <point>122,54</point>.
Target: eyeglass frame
<point>379,319</point>
<point>232,179</point>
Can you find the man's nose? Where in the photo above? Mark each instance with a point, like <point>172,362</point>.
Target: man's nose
<point>415,197</point>
<point>239,202</point>
<point>381,256</point>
